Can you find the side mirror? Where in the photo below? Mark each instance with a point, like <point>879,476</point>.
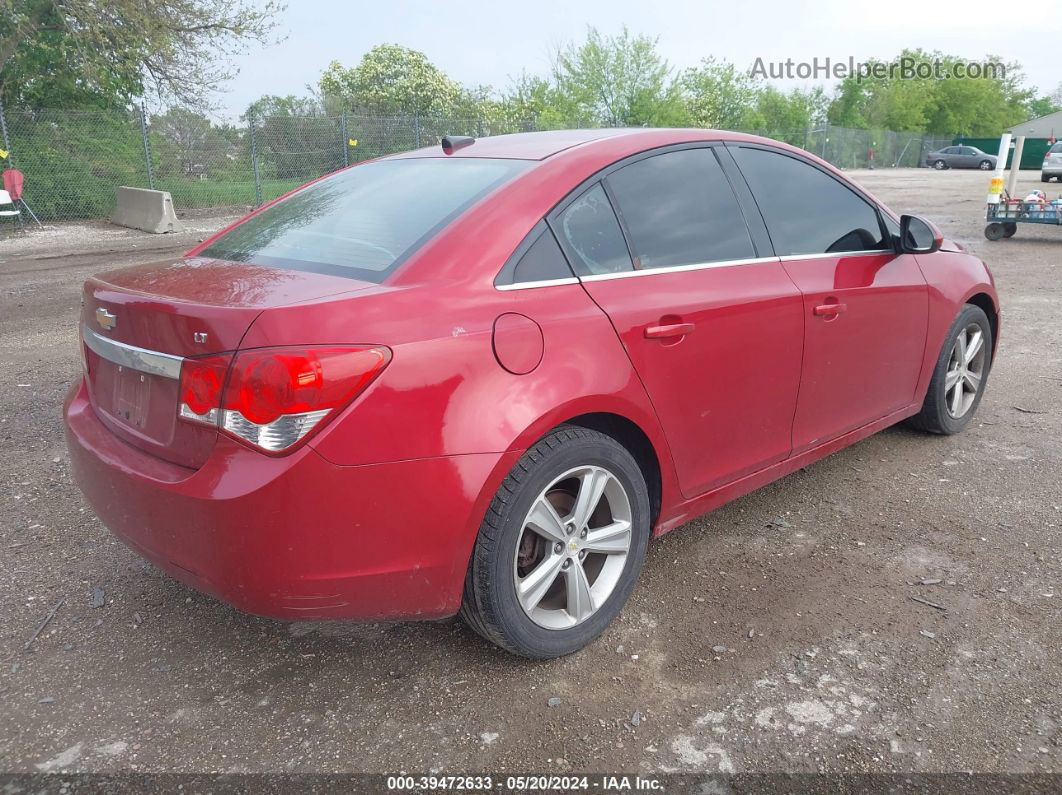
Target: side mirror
<point>918,236</point>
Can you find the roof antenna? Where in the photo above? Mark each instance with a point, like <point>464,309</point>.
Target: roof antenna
<point>451,143</point>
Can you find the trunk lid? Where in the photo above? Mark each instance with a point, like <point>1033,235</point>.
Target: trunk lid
<point>138,323</point>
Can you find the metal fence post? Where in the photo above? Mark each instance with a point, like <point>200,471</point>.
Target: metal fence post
<point>345,135</point>
<point>3,135</point>
<point>254,161</point>
<point>416,127</point>
<point>147,147</point>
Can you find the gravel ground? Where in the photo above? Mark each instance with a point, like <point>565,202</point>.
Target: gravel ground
<point>778,633</point>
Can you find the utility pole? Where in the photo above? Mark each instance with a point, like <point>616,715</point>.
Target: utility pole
<point>147,147</point>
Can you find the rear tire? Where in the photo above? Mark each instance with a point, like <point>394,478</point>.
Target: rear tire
<point>1009,229</point>
<point>553,564</point>
<point>963,364</point>
<point>994,231</point>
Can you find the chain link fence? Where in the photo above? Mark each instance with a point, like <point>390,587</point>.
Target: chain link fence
<point>74,160</point>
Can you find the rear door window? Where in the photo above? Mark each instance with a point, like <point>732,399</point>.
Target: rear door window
<point>680,210</point>
<point>592,235</point>
<point>365,221</point>
<point>806,210</point>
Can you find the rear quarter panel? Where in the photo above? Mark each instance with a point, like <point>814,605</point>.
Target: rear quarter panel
<point>444,392</point>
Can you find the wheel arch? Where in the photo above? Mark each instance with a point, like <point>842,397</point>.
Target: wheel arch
<point>984,302</point>
<point>637,443</point>
<point>632,425</point>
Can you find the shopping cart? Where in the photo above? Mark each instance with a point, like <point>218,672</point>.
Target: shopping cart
<point>1003,218</point>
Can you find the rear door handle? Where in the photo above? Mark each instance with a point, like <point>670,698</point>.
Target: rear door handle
<point>830,310</point>
<point>669,330</point>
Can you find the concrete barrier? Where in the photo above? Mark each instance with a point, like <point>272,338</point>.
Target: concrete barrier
<point>150,210</point>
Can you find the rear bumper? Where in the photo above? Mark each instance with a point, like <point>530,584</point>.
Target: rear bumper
<point>294,537</point>
<point>1051,171</point>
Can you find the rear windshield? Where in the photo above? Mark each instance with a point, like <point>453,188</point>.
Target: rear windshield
<point>1056,149</point>
<point>365,221</point>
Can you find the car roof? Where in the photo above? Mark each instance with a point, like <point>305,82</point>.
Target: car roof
<point>539,145</point>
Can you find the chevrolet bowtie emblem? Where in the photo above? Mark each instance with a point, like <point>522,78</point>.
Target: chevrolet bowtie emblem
<point>106,319</point>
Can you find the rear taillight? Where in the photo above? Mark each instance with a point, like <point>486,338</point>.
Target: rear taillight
<point>275,398</point>
<point>201,383</point>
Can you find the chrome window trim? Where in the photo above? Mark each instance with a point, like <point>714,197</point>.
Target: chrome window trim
<point>535,285</point>
<point>697,266</point>
<point>141,359</point>
<point>864,253</point>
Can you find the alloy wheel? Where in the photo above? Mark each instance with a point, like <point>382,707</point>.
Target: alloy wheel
<point>573,547</point>
<point>966,370</point>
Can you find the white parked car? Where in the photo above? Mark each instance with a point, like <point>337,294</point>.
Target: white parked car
<point>1052,164</point>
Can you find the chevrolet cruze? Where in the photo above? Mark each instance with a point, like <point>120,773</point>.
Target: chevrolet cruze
<point>477,378</point>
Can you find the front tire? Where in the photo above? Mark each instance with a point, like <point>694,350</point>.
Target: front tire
<point>939,165</point>
<point>561,545</point>
<point>985,165</point>
<point>960,375</point>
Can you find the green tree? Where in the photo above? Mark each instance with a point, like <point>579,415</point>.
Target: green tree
<point>618,81</point>
<point>718,95</point>
<point>291,105</point>
<point>294,136</point>
<point>391,80</point>
<point>186,136</point>
<point>536,102</point>
<point>788,115</point>
<point>480,104</point>
<point>1046,105</point>
<point>105,53</point>
<point>983,105</point>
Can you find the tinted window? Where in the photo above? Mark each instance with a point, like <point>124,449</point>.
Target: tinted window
<point>1055,149</point>
<point>680,210</point>
<point>364,221</point>
<point>952,150</point>
<point>893,227</point>
<point>592,233</point>
<point>806,210</point>
<point>542,261</point>
<point>969,150</point>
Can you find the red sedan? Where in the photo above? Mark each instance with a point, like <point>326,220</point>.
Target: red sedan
<point>478,378</point>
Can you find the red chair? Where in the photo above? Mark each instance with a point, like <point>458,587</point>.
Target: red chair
<point>13,181</point>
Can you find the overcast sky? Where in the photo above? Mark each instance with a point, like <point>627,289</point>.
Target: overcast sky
<point>478,41</point>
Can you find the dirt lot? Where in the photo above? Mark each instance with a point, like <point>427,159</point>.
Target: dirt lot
<point>829,663</point>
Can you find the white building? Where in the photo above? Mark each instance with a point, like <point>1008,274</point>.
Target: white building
<point>1049,126</point>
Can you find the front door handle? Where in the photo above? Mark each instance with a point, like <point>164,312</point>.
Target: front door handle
<point>669,330</point>
<point>830,310</point>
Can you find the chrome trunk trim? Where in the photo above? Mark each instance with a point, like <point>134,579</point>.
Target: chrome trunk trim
<point>141,359</point>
